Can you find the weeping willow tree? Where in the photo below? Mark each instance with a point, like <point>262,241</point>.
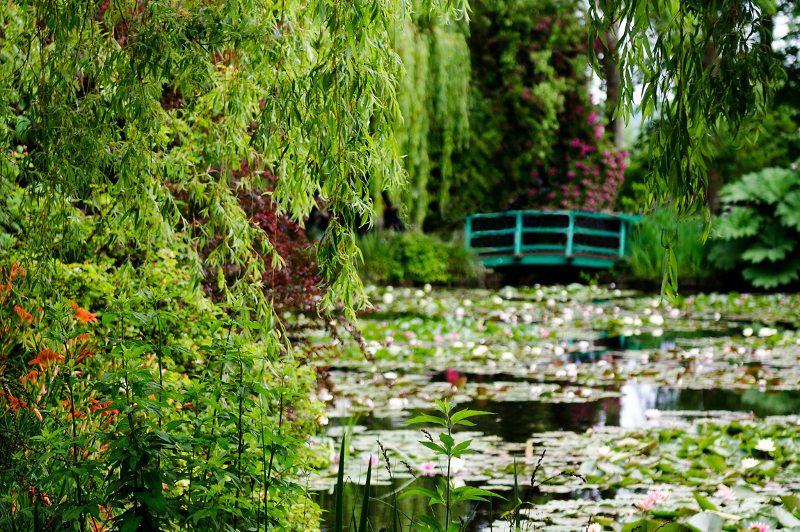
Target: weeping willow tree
<point>433,98</point>
<point>129,132</point>
<point>703,65</point>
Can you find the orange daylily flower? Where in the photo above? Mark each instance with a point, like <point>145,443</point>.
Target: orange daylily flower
<point>13,402</point>
<point>77,414</point>
<point>32,376</point>
<point>45,358</point>
<point>83,315</point>
<point>23,314</point>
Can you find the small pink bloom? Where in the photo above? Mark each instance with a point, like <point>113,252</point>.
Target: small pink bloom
<point>437,338</point>
<point>371,459</point>
<point>724,492</point>
<point>428,469</point>
<point>758,525</point>
<point>409,334</point>
<point>454,336</point>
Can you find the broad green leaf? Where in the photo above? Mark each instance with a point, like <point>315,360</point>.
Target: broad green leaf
<point>464,414</point>
<point>706,522</point>
<point>704,503</point>
<point>426,419</point>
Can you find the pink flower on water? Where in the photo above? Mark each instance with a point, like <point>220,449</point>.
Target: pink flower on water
<point>453,336</point>
<point>409,334</point>
<point>724,492</point>
<point>481,327</point>
<point>371,459</point>
<point>437,338</point>
<point>428,469</point>
<point>758,525</point>
<point>651,498</point>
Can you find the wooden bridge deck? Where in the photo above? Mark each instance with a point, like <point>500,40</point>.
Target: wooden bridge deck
<point>537,238</point>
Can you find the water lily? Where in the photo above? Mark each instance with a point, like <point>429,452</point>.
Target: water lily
<point>749,463</point>
<point>765,445</point>
<point>396,403</point>
<point>371,459</point>
<point>758,525</point>
<point>456,465</point>
<point>594,527</point>
<point>428,469</point>
<point>747,332</point>
<point>387,298</point>
<point>603,451</point>
<point>651,498</point>
<point>725,493</point>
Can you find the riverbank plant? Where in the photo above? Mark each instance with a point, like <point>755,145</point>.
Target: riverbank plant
<point>760,231</point>
<point>654,233</point>
<point>445,446</point>
<point>413,257</point>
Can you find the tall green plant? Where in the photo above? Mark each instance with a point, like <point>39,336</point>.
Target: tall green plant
<point>660,229</point>
<point>446,494</point>
<point>760,232</point>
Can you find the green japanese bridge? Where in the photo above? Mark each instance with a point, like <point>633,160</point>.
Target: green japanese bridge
<point>541,238</point>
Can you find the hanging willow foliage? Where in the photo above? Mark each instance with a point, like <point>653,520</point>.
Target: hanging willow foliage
<point>704,64</point>
<point>434,102</point>
<point>450,128</point>
<point>119,104</point>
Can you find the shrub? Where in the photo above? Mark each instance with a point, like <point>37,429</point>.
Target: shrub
<point>647,246</point>
<point>760,230</point>
<point>414,257</point>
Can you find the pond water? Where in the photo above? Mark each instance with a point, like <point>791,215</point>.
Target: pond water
<point>557,368</point>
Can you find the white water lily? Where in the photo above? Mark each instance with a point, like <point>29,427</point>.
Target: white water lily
<point>657,319</point>
<point>749,463</point>
<point>657,332</point>
<point>747,332</point>
<point>594,527</point>
<point>603,451</point>
<point>652,413</point>
<point>765,445</point>
<point>456,465</point>
<point>427,287</point>
<point>387,298</point>
<point>763,332</point>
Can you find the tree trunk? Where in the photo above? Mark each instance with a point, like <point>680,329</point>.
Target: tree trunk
<point>613,81</point>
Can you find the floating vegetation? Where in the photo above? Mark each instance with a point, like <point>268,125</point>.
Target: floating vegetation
<point>681,412</point>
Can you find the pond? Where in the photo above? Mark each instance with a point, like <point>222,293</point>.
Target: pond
<point>627,396</point>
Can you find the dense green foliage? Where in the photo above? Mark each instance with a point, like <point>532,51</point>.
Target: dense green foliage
<point>391,257</point>
<point>711,64</point>
<point>760,232</point>
<point>135,140</point>
<point>538,141</point>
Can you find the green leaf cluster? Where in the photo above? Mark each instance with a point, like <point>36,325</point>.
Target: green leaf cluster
<point>391,257</point>
<point>760,232</point>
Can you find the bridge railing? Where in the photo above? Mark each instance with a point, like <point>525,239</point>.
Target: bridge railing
<point>548,237</point>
